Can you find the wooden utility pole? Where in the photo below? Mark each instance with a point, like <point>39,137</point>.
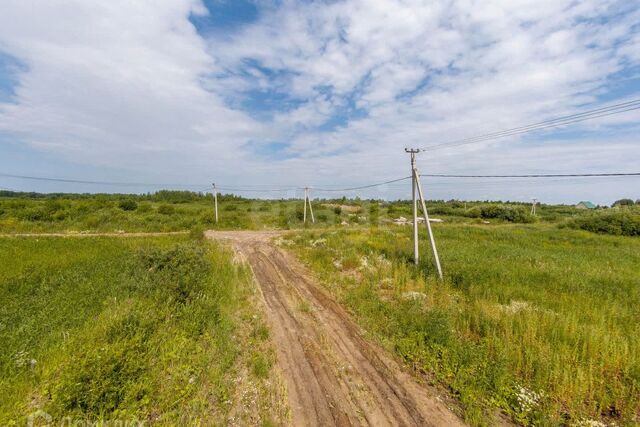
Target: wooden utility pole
<point>313,220</point>
<point>416,254</point>
<point>533,206</point>
<point>307,200</point>
<point>215,200</point>
<point>415,178</point>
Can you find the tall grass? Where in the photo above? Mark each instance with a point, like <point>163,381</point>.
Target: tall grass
<point>122,330</point>
<point>539,323</point>
<point>174,211</point>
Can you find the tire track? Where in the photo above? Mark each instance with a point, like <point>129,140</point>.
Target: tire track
<point>334,376</point>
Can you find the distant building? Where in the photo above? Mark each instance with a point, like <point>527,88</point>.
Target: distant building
<point>585,205</point>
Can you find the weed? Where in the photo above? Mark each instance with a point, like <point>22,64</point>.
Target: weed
<point>535,321</point>
<point>105,328</point>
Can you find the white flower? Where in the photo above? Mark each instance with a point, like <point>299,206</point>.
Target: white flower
<point>527,399</point>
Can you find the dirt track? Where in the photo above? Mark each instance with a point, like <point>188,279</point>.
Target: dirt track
<point>333,375</point>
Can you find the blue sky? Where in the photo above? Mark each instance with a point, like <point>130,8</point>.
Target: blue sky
<point>282,93</point>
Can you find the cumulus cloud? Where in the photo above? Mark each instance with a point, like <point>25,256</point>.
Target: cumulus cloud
<point>116,83</point>
<point>338,87</point>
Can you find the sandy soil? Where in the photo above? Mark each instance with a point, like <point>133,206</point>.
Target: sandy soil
<point>333,375</point>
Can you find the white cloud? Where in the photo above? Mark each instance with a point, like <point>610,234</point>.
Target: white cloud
<point>116,83</point>
<point>135,84</point>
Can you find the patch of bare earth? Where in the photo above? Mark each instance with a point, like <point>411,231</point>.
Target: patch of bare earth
<point>332,374</point>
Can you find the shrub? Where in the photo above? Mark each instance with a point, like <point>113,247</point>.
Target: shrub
<point>474,212</point>
<point>128,205</point>
<point>208,217</point>
<point>178,270</point>
<point>166,209</point>
<point>145,208</point>
<point>616,223</point>
<point>441,210</point>
<point>337,210</point>
<point>623,202</point>
<point>506,213</point>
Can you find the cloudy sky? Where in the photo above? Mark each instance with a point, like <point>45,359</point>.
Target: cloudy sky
<point>280,94</point>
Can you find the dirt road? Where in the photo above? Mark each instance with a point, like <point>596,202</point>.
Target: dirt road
<point>333,375</point>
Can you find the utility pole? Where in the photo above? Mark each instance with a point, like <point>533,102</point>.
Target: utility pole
<point>416,254</point>
<point>417,186</point>
<point>533,206</point>
<point>307,200</point>
<point>215,200</point>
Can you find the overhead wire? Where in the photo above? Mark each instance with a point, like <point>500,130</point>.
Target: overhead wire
<point>556,175</point>
<point>546,124</point>
<point>106,183</point>
<point>378,184</point>
<point>345,189</point>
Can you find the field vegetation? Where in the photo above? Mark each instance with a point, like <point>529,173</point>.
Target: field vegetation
<point>539,323</point>
<point>537,317</point>
<point>157,330</point>
<point>183,210</point>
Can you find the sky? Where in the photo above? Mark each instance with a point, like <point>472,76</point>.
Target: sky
<point>327,94</point>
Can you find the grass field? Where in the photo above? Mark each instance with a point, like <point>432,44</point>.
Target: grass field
<point>540,323</point>
<point>536,318</point>
<point>178,211</point>
<point>161,330</point>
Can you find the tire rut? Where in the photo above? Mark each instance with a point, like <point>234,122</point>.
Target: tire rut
<point>334,376</point>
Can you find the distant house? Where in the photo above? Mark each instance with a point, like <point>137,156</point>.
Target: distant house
<point>585,205</point>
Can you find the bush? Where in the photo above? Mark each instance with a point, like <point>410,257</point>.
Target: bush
<point>474,212</point>
<point>145,208</point>
<point>208,217</point>
<point>337,210</point>
<point>166,210</point>
<point>128,205</point>
<point>176,273</point>
<point>623,202</point>
<point>506,213</point>
<point>616,223</point>
<point>441,210</point>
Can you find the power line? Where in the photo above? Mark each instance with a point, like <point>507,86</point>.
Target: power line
<point>557,175</point>
<point>255,190</point>
<point>78,181</point>
<point>362,187</point>
<point>321,189</point>
<point>546,124</point>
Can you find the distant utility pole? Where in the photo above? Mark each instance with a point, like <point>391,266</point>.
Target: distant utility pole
<point>215,200</point>
<point>533,206</point>
<point>417,186</point>
<point>307,200</point>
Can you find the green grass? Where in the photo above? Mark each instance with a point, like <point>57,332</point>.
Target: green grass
<point>540,323</point>
<point>127,329</point>
<point>178,211</point>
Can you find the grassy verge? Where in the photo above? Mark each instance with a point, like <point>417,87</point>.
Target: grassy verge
<point>540,323</point>
<point>162,331</point>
